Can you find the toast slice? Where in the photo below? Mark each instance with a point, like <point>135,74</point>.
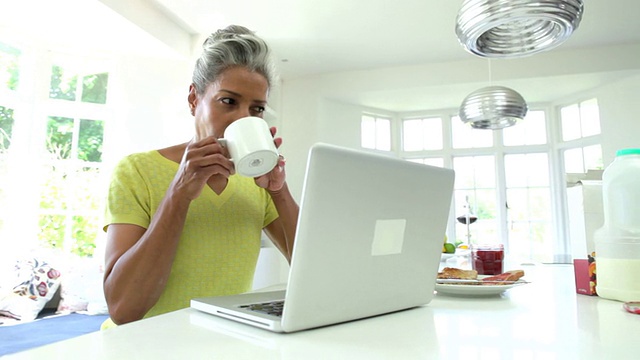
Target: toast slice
<point>455,273</point>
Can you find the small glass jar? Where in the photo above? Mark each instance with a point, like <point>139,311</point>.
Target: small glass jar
<point>487,259</point>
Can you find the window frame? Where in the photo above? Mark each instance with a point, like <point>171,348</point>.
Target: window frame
<point>553,149</point>
<point>32,107</point>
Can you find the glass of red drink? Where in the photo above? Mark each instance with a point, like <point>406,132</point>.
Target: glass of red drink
<point>487,259</point>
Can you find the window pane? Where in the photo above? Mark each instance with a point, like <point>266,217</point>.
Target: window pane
<point>368,132</point>
<point>593,157</point>
<point>6,127</point>
<point>412,135</point>
<point>573,162</point>
<point>52,231</point>
<point>84,235</point>
<point>90,140</point>
<point>540,204</point>
<point>54,187</point>
<point>375,133</point>
<point>570,117</point>
<point>59,137</point>
<point>531,131</point>
<point>9,74</point>
<point>422,134</point>
<point>474,172</point>
<point>590,117</point>
<point>383,134</point>
<point>85,190</point>
<point>529,206</point>
<point>483,206</point>
<point>475,179</point>
<point>465,137</point>
<point>527,170</point>
<point>63,84</point>
<point>94,88</point>
<point>485,171</point>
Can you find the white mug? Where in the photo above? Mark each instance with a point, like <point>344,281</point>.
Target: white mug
<point>251,146</point>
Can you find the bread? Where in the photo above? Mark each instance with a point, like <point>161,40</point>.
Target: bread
<point>455,273</point>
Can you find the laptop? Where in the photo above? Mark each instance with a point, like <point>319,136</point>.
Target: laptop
<point>368,242</point>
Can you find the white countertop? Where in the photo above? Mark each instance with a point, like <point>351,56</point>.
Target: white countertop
<point>545,319</point>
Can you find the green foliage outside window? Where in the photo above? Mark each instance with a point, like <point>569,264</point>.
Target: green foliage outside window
<point>6,127</point>
<point>94,88</point>
<point>69,197</point>
<point>9,74</point>
<point>90,140</point>
<point>60,136</point>
<point>63,86</point>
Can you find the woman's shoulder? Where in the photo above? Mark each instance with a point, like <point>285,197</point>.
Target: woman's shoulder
<point>172,154</point>
<point>138,158</point>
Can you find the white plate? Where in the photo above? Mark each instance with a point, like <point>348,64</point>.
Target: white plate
<point>476,290</point>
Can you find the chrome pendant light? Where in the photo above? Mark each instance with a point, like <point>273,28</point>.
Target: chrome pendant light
<point>493,107</point>
<point>516,28</point>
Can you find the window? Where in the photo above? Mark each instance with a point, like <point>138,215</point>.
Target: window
<point>376,133</point>
<point>9,79</point>
<point>580,136</point>
<point>422,134</point>
<point>504,177</point>
<point>465,137</point>
<point>60,138</point>
<point>475,184</point>
<point>529,206</point>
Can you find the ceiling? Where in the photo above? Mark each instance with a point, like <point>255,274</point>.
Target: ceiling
<point>316,38</point>
<point>319,37</point>
<point>313,37</point>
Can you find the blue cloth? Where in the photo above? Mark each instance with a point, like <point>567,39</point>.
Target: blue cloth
<point>45,331</point>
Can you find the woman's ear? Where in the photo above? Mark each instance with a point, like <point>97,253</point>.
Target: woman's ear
<point>192,99</point>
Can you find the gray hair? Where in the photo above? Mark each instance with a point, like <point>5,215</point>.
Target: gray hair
<point>232,46</point>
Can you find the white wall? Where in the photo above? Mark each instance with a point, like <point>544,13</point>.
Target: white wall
<point>619,117</point>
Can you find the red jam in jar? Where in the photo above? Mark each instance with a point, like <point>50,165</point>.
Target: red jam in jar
<point>487,259</point>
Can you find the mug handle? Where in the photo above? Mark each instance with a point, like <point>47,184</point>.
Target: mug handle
<point>223,142</point>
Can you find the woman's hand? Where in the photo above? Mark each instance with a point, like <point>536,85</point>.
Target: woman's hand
<point>202,159</point>
<point>274,180</point>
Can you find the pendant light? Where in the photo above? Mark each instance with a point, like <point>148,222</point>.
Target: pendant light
<point>516,28</point>
<point>493,107</point>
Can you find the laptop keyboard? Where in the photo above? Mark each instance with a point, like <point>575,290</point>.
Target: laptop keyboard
<point>270,308</point>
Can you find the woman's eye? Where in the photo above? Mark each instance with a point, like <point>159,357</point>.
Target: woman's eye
<point>259,109</point>
<point>228,101</point>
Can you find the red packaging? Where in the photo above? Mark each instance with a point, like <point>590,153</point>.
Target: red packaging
<point>585,274</point>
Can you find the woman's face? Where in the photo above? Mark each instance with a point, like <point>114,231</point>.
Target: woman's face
<point>237,93</point>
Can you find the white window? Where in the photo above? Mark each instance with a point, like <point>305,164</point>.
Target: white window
<point>505,178</point>
<point>51,138</point>
<point>375,132</point>
<point>581,136</point>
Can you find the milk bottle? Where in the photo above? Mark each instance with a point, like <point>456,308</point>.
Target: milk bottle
<point>617,243</point>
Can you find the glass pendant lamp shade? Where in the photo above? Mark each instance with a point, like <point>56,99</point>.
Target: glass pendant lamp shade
<point>516,28</point>
<point>493,107</point>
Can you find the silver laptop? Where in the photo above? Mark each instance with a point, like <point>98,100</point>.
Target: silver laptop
<point>368,242</point>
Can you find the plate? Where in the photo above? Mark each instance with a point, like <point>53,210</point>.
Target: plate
<point>476,290</point>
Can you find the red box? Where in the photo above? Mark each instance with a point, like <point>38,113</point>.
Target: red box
<point>585,272</point>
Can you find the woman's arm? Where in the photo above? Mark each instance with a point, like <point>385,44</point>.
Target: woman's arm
<point>282,230</point>
<point>138,261</point>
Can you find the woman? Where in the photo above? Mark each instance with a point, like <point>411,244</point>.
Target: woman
<point>180,222</point>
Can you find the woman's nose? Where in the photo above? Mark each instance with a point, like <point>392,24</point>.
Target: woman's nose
<point>244,113</point>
